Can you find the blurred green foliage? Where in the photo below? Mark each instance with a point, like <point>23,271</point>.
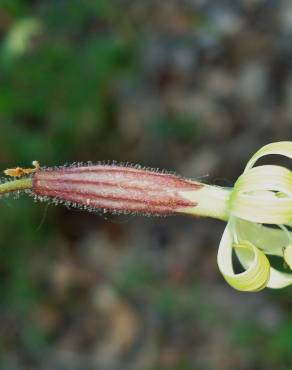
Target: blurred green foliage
<point>57,92</point>
<point>274,348</point>
<point>59,64</point>
<point>178,127</point>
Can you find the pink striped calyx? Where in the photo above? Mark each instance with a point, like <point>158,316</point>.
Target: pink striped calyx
<point>117,189</point>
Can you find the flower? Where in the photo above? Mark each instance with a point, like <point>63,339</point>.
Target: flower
<point>261,197</point>
<point>258,209</point>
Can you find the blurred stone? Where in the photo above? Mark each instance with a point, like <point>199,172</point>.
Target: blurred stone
<point>212,117</point>
<point>122,327</point>
<point>221,84</point>
<point>224,20</point>
<point>270,318</point>
<point>202,164</point>
<point>67,274</point>
<point>252,85</point>
<point>135,112</point>
<point>285,16</point>
<point>47,317</point>
<point>288,99</point>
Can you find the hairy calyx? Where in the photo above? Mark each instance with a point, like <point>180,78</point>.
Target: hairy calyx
<point>116,189</point>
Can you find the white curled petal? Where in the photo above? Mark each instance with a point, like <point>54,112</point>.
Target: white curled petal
<point>279,279</point>
<point>263,194</point>
<point>280,148</point>
<point>257,272</point>
<point>288,256</point>
<point>270,241</point>
<point>262,207</point>
<point>276,280</point>
<point>266,177</point>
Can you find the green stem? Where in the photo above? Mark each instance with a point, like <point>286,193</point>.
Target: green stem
<point>20,184</point>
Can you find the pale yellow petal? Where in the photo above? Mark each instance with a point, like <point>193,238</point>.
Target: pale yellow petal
<point>271,241</point>
<point>257,272</point>
<point>263,194</point>
<point>280,148</point>
<point>288,256</point>
<point>279,279</point>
